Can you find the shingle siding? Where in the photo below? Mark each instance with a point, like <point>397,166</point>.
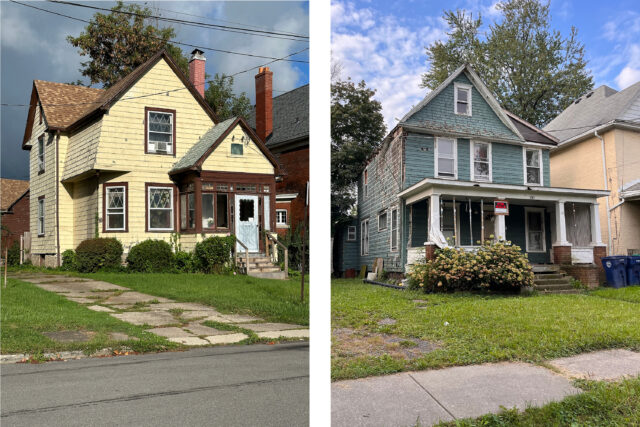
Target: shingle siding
<point>419,157</point>
<point>507,163</point>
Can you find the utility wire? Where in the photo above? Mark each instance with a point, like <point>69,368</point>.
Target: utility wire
<point>168,41</point>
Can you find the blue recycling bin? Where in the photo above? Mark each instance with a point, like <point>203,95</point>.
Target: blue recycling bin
<point>633,270</point>
<point>615,268</point>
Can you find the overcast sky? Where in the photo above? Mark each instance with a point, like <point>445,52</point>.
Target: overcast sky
<point>383,41</point>
<point>34,46</point>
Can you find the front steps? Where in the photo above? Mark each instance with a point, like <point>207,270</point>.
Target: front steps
<point>550,279</point>
<point>261,266</point>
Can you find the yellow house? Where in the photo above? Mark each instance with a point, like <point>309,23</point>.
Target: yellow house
<point>145,159</point>
<point>599,148</point>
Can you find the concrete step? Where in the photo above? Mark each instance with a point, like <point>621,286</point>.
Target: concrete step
<point>546,276</point>
<point>269,275</point>
<point>554,287</point>
<point>545,268</point>
<point>552,281</point>
<point>267,269</point>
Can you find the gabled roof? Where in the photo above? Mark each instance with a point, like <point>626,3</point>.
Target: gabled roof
<point>199,152</point>
<point>479,85</point>
<point>530,132</point>
<point>58,99</point>
<point>290,117</point>
<point>600,106</point>
<point>10,191</point>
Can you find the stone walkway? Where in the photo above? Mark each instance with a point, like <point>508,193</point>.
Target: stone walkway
<point>180,322</point>
<point>428,397</point>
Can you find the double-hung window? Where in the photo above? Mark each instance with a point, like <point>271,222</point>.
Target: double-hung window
<point>281,217</point>
<point>533,166</point>
<point>364,237</point>
<point>41,154</point>
<point>41,216</point>
<point>462,102</point>
<point>481,158</point>
<point>115,207</point>
<point>160,131</point>
<point>351,233</point>
<point>382,221</point>
<point>160,208</point>
<point>394,230</point>
<point>446,158</point>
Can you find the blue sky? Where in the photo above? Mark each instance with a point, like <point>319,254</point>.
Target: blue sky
<point>383,42</point>
<point>33,46</point>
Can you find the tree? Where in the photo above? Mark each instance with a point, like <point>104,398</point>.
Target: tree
<point>219,95</point>
<point>357,129</point>
<point>120,41</point>
<point>532,70</point>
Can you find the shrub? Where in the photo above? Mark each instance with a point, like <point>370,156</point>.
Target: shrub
<point>184,262</point>
<point>13,254</point>
<point>494,266</point>
<point>151,256</point>
<point>69,260</point>
<point>214,253</point>
<point>98,254</point>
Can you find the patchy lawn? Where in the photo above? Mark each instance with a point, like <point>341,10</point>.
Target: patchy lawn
<point>630,293</point>
<point>273,300</point>
<point>602,404</point>
<point>28,312</point>
<point>380,331</point>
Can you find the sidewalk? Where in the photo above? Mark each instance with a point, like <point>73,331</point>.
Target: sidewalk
<point>429,397</point>
<point>177,321</point>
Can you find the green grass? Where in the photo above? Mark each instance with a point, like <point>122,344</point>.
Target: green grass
<point>27,311</point>
<point>480,328</point>
<point>273,300</point>
<point>630,293</point>
<point>602,404</point>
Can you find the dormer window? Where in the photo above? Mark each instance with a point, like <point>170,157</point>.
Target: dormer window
<point>160,131</point>
<point>462,101</point>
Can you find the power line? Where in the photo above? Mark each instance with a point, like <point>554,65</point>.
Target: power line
<point>168,41</point>
<point>242,30</point>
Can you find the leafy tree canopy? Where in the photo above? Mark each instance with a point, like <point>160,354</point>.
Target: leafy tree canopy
<point>225,103</point>
<point>533,70</point>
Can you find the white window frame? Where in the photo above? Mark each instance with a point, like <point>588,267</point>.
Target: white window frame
<point>41,155</point>
<point>41,214</point>
<point>397,231</point>
<point>463,86</point>
<point>280,224</point>
<point>524,165</point>
<point>473,160</point>
<point>364,237</point>
<point>455,158</point>
<point>160,187</point>
<point>351,233</point>
<point>386,221</point>
<point>171,146</point>
<point>541,211</point>
<point>124,208</point>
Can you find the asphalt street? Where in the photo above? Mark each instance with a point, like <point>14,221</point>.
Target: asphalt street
<point>222,386</point>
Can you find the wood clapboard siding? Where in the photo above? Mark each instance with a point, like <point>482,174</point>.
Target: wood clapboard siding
<point>85,207</point>
<point>252,160</point>
<point>66,203</point>
<point>82,149</point>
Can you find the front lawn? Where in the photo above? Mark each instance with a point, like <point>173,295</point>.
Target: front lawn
<point>273,300</point>
<point>462,329</point>
<point>630,293</point>
<point>28,311</point>
<point>602,404</point>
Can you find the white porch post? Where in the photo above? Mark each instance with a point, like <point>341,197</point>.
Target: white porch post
<point>501,228</point>
<point>596,237</point>
<point>561,225</point>
<point>434,216</point>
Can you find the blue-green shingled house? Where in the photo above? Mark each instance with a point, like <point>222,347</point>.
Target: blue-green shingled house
<point>436,178</point>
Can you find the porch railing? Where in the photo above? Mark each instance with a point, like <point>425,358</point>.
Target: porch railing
<point>270,246</point>
<point>246,253</point>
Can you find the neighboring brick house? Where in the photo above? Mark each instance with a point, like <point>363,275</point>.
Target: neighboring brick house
<point>14,209</point>
<point>283,123</point>
<point>435,177</point>
<point>142,160</point>
<point>599,147</point>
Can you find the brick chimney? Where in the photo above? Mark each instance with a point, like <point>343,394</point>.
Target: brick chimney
<point>264,103</point>
<point>196,70</point>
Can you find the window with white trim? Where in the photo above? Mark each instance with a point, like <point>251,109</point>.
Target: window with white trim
<point>364,237</point>
<point>351,233</point>
<point>382,221</point>
<point>281,217</point>
<point>446,162</point>
<point>160,205</point>
<point>533,166</point>
<point>41,154</point>
<point>41,217</point>
<point>535,232</point>
<point>481,161</point>
<point>160,132</point>
<point>116,208</point>
<point>462,101</point>
<point>394,230</point>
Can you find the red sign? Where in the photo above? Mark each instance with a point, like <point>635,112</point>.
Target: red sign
<point>500,207</point>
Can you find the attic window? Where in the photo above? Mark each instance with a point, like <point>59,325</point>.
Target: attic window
<point>160,132</point>
<point>237,149</point>
<point>462,101</point>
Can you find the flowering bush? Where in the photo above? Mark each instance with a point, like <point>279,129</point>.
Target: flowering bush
<point>494,266</point>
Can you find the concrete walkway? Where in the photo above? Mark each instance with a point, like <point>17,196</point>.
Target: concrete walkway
<point>428,397</point>
<point>177,321</point>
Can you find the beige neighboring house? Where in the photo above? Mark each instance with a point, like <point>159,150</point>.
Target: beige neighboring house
<point>599,148</point>
<point>144,159</point>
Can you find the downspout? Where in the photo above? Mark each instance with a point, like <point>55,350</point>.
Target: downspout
<point>606,187</point>
<point>58,196</point>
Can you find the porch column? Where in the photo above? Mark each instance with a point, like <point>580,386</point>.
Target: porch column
<point>501,228</point>
<point>561,247</point>
<point>434,226</point>
<point>599,248</point>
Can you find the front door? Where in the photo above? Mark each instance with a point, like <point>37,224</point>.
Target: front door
<point>247,222</point>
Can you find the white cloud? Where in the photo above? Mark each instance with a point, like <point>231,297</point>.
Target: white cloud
<point>627,77</point>
<point>623,33</point>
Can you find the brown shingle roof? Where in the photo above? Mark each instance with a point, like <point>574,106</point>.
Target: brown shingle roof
<point>10,191</point>
<point>60,102</point>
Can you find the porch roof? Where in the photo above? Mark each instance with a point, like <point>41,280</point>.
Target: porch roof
<point>429,186</point>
